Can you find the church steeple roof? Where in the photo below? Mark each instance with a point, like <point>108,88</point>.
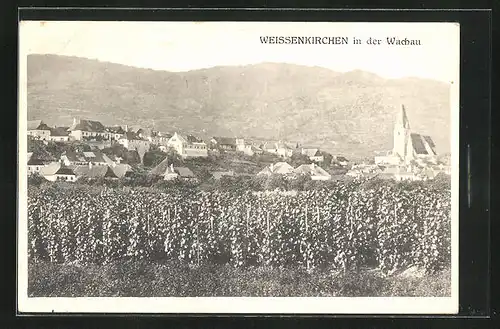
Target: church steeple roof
<point>402,119</point>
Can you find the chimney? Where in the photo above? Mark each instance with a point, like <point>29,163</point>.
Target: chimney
<point>172,167</point>
<point>271,167</point>
<point>74,121</point>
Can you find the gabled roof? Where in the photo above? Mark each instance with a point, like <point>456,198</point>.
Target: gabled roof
<point>122,169</point>
<point>161,168</point>
<point>35,162</point>
<point>59,131</point>
<point>181,138</point>
<point>131,136</point>
<point>184,172</point>
<point>277,168</point>
<point>94,156</point>
<point>310,152</point>
<point>50,169</point>
<point>419,143</point>
<point>145,131</point>
<point>95,172</point>
<point>63,170</point>
<point>87,125</point>
<point>193,139</point>
<point>225,141</point>
<point>37,125</point>
<point>282,168</point>
<point>115,130</point>
<point>313,170</point>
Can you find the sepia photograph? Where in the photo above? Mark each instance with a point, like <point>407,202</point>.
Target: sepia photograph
<point>238,167</point>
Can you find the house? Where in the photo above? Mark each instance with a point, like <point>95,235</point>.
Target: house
<point>84,158</point>
<point>115,132</point>
<point>281,149</point>
<point>314,171</point>
<point>91,171</point>
<point>341,160</point>
<point>219,174</point>
<point>188,146</point>
<point>37,129</point>
<point>183,173</point>
<point>247,147</point>
<point>35,165</point>
<point>314,154</point>
<point>281,168</point>
<point>88,130</point>
<point>224,143</point>
<point>160,138</point>
<point>59,134</point>
<point>407,145</point>
<point>133,142</point>
<point>122,169</point>
<point>57,171</point>
<point>399,173</point>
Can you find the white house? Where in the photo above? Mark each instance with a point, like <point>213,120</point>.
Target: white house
<point>188,146</point>
<point>84,158</point>
<point>57,171</point>
<point>59,134</point>
<point>314,154</point>
<point>88,130</point>
<point>281,168</point>
<point>38,130</point>
<point>35,165</point>
<point>314,171</point>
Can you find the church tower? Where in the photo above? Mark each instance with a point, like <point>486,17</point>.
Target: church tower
<point>401,134</point>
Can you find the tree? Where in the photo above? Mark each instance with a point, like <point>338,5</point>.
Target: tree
<point>153,157</point>
<point>299,159</point>
<point>35,180</point>
<point>174,157</point>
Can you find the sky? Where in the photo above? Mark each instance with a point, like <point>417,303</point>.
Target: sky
<point>184,46</point>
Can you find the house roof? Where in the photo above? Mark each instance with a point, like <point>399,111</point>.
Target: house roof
<point>95,171</point>
<point>94,156</point>
<point>277,168</point>
<point>145,132</point>
<point>132,136</point>
<point>37,125</point>
<point>87,125</point>
<point>313,170</point>
<point>420,142</point>
<point>63,170</point>
<point>225,141</point>
<point>35,162</point>
<point>184,171</point>
<point>311,152</point>
<point>116,130</point>
<point>121,169</point>
<point>181,138</point>
<point>161,168</point>
<point>193,139</point>
<point>59,131</point>
<point>50,169</point>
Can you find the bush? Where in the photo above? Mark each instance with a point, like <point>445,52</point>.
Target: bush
<point>36,179</point>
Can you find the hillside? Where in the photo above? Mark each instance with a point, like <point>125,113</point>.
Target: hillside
<point>345,113</point>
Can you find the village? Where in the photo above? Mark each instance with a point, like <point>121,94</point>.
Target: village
<point>89,150</point>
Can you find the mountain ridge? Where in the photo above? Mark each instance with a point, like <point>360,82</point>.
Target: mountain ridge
<point>351,113</point>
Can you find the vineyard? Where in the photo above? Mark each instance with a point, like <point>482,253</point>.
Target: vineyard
<point>345,227</point>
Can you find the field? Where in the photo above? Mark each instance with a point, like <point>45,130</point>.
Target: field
<point>296,243</point>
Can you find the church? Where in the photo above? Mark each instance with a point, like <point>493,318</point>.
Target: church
<point>408,146</point>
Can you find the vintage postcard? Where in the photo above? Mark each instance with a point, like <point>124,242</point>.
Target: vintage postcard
<point>238,167</point>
